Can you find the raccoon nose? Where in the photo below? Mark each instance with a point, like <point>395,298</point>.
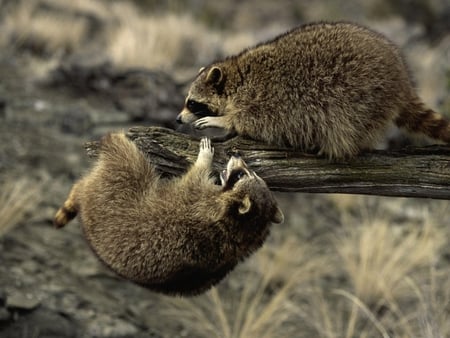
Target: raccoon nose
<point>234,153</point>
<point>179,119</point>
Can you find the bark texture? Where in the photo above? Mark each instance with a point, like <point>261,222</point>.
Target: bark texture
<point>412,172</point>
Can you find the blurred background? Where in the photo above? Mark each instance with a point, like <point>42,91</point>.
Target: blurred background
<point>340,265</point>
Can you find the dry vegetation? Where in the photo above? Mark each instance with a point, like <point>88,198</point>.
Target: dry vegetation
<point>259,305</point>
<point>115,31</point>
<point>371,277</point>
<point>18,198</point>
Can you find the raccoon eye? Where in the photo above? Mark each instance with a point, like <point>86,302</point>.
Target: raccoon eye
<point>198,109</point>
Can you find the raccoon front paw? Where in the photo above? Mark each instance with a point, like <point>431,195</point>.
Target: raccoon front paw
<point>201,123</point>
<point>206,153</point>
<point>210,122</point>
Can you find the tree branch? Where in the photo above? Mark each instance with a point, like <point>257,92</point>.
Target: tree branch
<point>413,172</point>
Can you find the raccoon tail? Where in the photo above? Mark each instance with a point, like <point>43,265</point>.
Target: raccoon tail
<point>68,211</point>
<point>417,118</point>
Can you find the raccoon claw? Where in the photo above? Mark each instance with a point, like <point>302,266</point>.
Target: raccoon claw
<point>201,123</point>
<point>205,145</point>
<point>209,122</point>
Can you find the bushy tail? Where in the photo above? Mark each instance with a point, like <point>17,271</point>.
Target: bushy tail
<point>67,212</point>
<point>124,166</point>
<point>417,118</point>
<point>121,168</point>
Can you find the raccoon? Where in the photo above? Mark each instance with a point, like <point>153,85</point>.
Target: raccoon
<point>176,236</point>
<point>331,88</point>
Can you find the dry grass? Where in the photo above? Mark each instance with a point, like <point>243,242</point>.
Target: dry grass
<point>337,313</point>
<point>163,41</point>
<point>115,31</point>
<point>47,33</point>
<point>370,278</point>
<point>434,304</point>
<point>260,305</point>
<point>327,314</point>
<point>386,267</point>
<point>17,199</point>
<point>378,256</point>
<point>168,41</point>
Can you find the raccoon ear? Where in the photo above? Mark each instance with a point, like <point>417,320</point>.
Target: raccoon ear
<point>215,76</point>
<point>245,205</point>
<point>278,216</point>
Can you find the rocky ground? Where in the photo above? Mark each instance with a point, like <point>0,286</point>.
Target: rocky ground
<point>51,285</point>
<point>44,291</point>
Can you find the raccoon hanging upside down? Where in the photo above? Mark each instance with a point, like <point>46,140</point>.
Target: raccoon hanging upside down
<point>327,87</point>
<point>176,236</point>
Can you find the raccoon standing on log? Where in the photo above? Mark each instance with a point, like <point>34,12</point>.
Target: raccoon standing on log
<point>331,88</point>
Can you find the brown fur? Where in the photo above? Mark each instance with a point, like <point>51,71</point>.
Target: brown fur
<point>179,235</point>
<point>331,87</point>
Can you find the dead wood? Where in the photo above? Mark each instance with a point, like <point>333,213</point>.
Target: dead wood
<point>411,172</point>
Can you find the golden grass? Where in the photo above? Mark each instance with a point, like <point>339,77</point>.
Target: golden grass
<point>384,263</point>
<point>125,36</point>
<point>261,304</point>
<point>378,256</point>
<point>369,278</point>
<point>53,34</point>
<point>434,303</point>
<point>326,314</point>
<point>167,40</point>
<point>17,199</point>
<point>163,41</point>
<point>337,313</point>
<point>97,8</point>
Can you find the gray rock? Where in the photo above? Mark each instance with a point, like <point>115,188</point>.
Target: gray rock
<point>20,301</point>
<point>41,323</point>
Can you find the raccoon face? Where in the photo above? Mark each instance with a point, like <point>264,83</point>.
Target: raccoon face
<point>250,191</point>
<point>236,170</point>
<point>205,96</point>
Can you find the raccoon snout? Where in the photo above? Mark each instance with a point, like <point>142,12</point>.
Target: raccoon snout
<point>234,153</point>
<point>186,116</point>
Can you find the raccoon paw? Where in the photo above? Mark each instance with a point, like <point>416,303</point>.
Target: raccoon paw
<point>206,153</point>
<point>210,122</point>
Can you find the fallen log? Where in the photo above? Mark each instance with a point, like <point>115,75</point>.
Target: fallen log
<point>411,172</point>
